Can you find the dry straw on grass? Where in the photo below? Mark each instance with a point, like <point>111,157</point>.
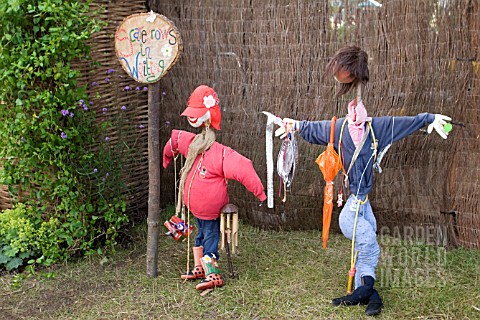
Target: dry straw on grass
<point>279,275</point>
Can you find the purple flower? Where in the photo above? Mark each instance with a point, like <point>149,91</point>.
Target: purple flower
<point>141,126</point>
<point>110,71</point>
<point>71,114</point>
<point>81,101</point>
<point>107,174</point>
<point>137,89</point>
<point>104,110</point>
<point>107,139</point>
<point>63,135</point>
<point>91,103</point>
<point>145,88</point>
<point>164,93</point>
<point>94,84</point>
<point>85,107</point>
<point>167,123</point>
<point>123,108</point>
<point>95,170</point>
<point>107,80</point>
<point>64,112</point>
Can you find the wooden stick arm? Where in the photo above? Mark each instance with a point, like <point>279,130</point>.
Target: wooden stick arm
<point>359,92</point>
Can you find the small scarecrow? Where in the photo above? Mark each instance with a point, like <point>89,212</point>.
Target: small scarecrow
<point>360,142</point>
<point>203,180</point>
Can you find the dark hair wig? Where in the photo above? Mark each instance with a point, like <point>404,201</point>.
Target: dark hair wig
<point>352,59</point>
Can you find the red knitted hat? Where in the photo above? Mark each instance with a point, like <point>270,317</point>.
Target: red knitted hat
<point>204,99</point>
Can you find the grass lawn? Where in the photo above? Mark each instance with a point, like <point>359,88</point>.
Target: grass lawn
<point>278,275</point>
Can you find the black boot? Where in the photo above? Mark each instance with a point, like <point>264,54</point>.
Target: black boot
<point>360,295</point>
<point>375,304</point>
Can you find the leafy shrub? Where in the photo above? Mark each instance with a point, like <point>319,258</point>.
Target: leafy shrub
<point>21,239</point>
<point>47,131</point>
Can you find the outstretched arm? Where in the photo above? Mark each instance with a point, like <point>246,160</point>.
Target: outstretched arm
<point>317,132</point>
<point>239,168</point>
<point>393,129</point>
<point>178,143</point>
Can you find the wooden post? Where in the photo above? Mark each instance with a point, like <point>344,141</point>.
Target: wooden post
<point>153,219</point>
<point>152,5</point>
<point>128,52</point>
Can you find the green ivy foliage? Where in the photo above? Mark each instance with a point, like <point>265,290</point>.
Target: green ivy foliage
<point>47,131</point>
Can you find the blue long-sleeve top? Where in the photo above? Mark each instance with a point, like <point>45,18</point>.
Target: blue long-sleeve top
<point>386,130</point>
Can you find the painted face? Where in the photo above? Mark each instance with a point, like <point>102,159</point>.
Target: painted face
<point>343,76</point>
<point>197,122</point>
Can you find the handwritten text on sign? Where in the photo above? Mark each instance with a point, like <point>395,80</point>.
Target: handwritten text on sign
<point>147,45</point>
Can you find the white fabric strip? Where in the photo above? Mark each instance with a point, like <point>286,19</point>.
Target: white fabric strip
<point>269,156</point>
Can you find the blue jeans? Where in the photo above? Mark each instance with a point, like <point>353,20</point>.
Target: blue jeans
<point>365,236</point>
<point>208,236</point>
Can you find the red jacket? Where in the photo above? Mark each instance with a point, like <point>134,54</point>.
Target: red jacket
<point>208,192</point>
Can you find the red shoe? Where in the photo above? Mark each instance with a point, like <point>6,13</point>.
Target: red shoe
<point>197,272</point>
<point>213,278</point>
<point>211,281</point>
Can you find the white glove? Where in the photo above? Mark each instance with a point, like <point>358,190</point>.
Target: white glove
<point>289,125</point>
<point>437,124</point>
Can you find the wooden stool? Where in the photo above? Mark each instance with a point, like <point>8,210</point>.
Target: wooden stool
<point>229,231</point>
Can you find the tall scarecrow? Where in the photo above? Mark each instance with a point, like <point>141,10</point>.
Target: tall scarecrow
<point>360,142</point>
<point>203,180</point>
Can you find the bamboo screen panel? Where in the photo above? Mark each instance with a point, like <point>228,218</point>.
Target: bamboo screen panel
<point>121,101</point>
<point>270,55</point>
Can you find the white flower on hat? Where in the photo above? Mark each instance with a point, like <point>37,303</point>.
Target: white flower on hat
<point>209,101</point>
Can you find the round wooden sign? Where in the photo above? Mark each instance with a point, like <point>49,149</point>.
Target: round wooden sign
<point>147,45</point>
